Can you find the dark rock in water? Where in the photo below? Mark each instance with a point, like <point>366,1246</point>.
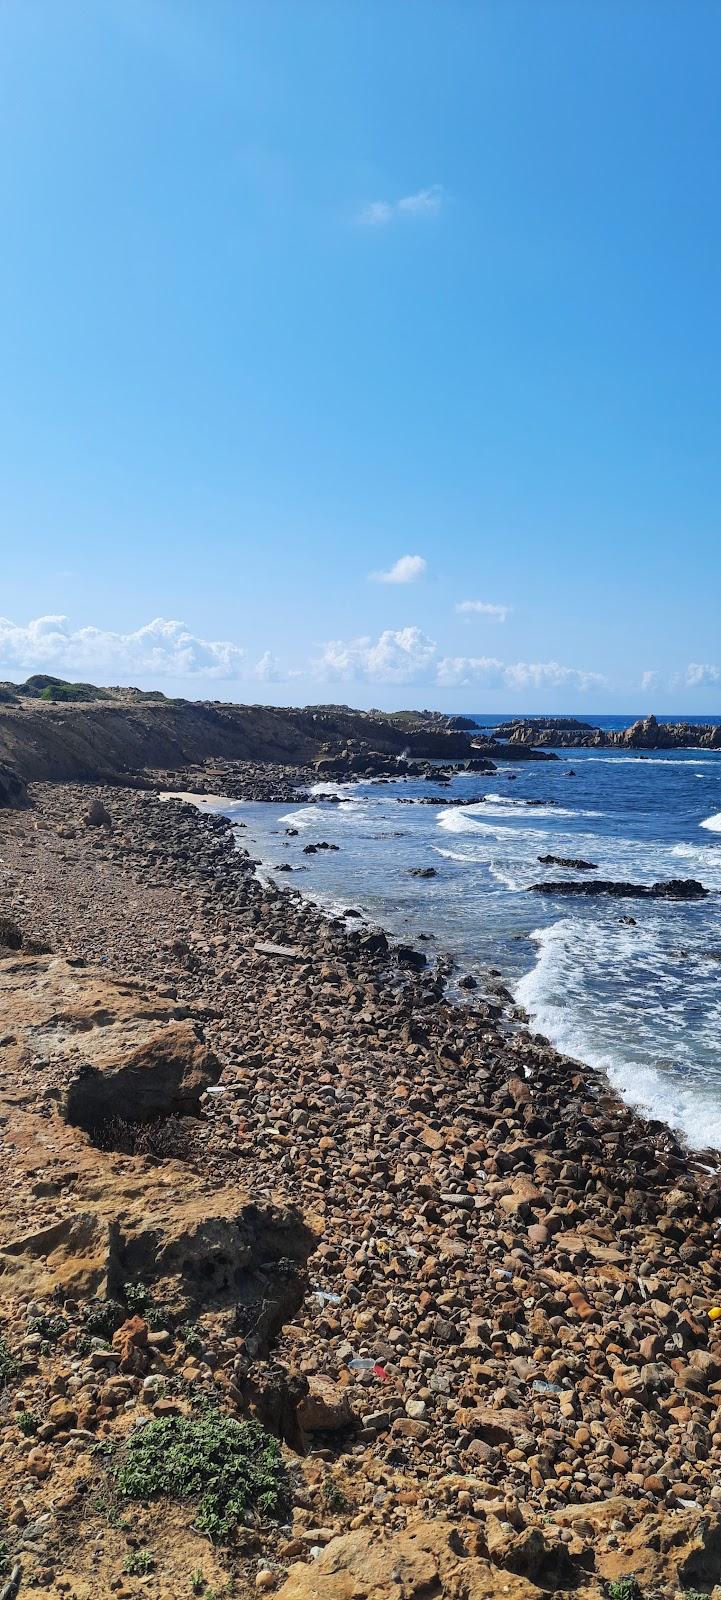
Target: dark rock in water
<point>523,752</point>
<point>671,889</point>
<point>312,849</point>
<point>468,982</point>
<point>568,861</point>
<point>628,922</point>
<point>480,764</point>
<point>406,956</point>
<point>422,872</point>
<point>292,833</point>
<point>352,913</point>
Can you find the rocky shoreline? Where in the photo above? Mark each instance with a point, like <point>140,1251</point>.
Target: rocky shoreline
<point>645,734</point>
<point>506,1318</point>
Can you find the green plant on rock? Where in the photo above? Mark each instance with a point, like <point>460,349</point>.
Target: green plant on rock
<point>335,1498</point>
<point>230,1468</point>
<point>50,1326</point>
<point>9,1366</point>
<point>103,1317</point>
<point>140,1303</point>
<point>139,1564</point>
<point>625,1588</point>
<point>191,1339</point>
<point>27,1422</point>
<point>197,1581</point>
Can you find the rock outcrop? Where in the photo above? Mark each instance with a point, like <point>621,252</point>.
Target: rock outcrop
<point>670,889</point>
<point>81,1053</point>
<point>644,734</point>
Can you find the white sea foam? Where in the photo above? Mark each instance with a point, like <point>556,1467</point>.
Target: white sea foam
<point>461,822</point>
<point>574,954</point>
<point>712,823</point>
<point>649,761</point>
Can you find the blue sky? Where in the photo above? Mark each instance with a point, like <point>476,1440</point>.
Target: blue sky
<point>291,292</point>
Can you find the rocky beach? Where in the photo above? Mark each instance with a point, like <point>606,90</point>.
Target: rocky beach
<point>466,1286</point>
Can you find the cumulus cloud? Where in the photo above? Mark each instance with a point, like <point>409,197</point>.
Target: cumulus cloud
<point>483,608</point>
<point>267,668</point>
<point>406,655</point>
<point>424,203</point>
<point>161,648</point>
<point>403,655</point>
<point>455,671</point>
<point>699,674</point>
<point>405,570</point>
<point>650,680</point>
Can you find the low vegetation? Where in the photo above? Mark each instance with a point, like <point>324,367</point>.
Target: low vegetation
<point>9,1366</point>
<point>230,1469</point>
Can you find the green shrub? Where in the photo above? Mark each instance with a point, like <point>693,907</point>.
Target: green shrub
<point>50,1327</point>
<point>71,691</point>
<point>139,1564</point>
<point>626,1588</point>
<point>191,1339</point>
<point>229,1468</point>
<point>27,1422</point>
<point>335,1498</point>
<point>103,1317</point>
<point>9,1367</point>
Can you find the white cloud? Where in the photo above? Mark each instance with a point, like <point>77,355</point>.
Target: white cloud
<point>161,648</point>
<point>405,570</point>
<point>700,674</point>
<point>407,655</point>
<point>267,668</point>
<point>453,672</point>
<point>650,680</point>
<point>456,671</point>
<point>424,203</point>
<point>483,608</point>
<point>404,655</point>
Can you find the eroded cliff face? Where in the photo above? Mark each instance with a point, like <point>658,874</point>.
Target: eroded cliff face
<point>99,740</point>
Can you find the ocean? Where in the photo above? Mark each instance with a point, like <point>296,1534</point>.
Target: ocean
<point>641,1002</point>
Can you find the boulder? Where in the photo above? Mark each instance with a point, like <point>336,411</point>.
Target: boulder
<point>98,816</point>
<point>325,1408</point>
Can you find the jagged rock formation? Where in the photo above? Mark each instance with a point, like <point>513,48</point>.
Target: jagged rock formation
<point>645,734</point>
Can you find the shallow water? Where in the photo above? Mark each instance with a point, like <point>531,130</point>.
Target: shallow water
<point>642,1002</point>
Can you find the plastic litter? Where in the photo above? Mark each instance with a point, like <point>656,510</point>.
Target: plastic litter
<point>541,1387</point>
<point>323,1298</point>
<point>362,1364</point>
<point>380,1371</point>
<point>715,1313</point>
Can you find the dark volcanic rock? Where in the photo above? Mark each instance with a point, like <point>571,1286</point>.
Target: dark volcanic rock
<point>579,865</point>
<point>422,872</point>
<point>672,889</point>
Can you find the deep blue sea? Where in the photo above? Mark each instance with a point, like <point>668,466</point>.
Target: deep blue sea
<point>643,1002</point>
